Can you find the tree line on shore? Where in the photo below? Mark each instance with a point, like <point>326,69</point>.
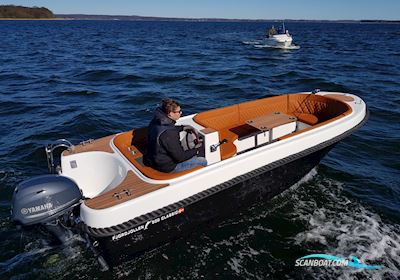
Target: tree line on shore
<point>11,11</point>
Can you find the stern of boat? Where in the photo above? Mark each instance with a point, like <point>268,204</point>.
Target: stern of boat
<point>95,172</point>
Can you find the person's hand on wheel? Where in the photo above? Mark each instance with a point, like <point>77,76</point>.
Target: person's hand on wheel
<point>188,128</point>
<point>198,143</point>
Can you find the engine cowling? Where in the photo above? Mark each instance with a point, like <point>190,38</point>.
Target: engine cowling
<point>42,199</point>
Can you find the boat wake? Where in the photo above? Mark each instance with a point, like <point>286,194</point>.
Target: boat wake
<point>333,224</point>
<point>291,47</point>
<point>49,261</point>
<point>22,258</point>
<point>339,226</point>
<point>34,250</point>
<point>261,44</point>
<point>252,42</point>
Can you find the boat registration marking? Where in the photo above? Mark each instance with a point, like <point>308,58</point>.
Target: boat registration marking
<point>148,223</point>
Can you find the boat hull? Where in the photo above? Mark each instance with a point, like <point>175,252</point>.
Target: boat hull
<point>207,208</point>
<point>280,39</point>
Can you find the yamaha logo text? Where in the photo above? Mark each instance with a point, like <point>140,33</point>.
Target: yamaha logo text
<point>35,209</point>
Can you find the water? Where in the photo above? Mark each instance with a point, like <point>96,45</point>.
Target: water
<point>88,79</point>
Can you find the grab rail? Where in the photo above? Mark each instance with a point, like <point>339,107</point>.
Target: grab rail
<point>50,148</point>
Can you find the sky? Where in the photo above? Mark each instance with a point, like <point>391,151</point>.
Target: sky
<point>238,9</point>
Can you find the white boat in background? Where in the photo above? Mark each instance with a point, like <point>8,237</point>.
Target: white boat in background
<point>279,38</point>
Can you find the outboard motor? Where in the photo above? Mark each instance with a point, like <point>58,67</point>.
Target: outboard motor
<point>52,201</point>
<point>47,200</point>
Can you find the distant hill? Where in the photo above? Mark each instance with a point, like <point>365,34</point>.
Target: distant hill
<point>154,18</point>
<point>19,12</point>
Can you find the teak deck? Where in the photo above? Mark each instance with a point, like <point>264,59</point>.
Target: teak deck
<point>130,188</point>
<point>101,145</point>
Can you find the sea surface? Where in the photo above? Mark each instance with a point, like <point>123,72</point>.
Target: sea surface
<point>87,79</point>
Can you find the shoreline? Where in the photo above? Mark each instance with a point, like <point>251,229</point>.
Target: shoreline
<point>37,19</point>
<point>138,18</point>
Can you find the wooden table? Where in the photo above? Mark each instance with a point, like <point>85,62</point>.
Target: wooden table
<point>268,122</point>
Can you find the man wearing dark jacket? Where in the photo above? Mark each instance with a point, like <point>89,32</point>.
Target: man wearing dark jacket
<point>164,150</point>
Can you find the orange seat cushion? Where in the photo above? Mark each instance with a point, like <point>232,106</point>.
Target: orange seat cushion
<point>219,118</point>
<point>307,118</point>
<point>123,142</point>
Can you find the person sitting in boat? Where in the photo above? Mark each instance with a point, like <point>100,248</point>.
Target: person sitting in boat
<point>164,149</point>
<point>272,31</point>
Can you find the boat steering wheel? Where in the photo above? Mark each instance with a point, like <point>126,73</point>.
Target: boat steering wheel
<point>192,143</point>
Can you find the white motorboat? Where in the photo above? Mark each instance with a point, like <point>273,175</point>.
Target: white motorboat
<point>255,150</point>
<point>278,38</point>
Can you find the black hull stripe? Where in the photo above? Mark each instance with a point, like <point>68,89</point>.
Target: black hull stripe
<point>109,231</point>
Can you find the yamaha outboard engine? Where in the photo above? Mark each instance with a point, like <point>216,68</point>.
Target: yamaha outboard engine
<point>47,200</point>
<point>52,201</point>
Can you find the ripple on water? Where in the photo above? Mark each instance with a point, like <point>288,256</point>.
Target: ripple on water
<point>6,77</point>
<point>9,108</point>
<point>106,75</point>
<point>79,93</point>
<point>314,83</point>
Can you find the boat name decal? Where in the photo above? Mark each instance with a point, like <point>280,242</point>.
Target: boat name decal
<point>35,209</point>
<point>147,224</point>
